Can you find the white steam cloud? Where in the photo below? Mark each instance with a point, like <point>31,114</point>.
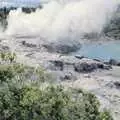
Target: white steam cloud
<point>63,19</point>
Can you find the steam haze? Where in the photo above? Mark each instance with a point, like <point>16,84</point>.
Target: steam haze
<point>63,19</point>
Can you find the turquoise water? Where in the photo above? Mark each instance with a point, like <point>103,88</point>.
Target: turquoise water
<point>104,51</point>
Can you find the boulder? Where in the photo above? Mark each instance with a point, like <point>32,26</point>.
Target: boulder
<point>114,62</point>
<point>73,64</point>
<point>85,67</point>
<point>62,47</point>
<point>90,67</point>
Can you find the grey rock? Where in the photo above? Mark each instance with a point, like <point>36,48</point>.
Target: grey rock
<point>5,48</point>
<point>106,62</point>
<point>68,76</point>
<point>114,62</point>
<point>107,67</point>
<point>90,67</point>
<point>79,57</point>
<point>97,60</point>
<point>61,47</point>
<point>85,67</point>
<point>58,64</point>
<point>73,64</point>
<point>28,44</point>
<point>117,85</point>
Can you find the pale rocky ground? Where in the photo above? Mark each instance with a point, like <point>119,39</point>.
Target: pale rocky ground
<point>101,83</point>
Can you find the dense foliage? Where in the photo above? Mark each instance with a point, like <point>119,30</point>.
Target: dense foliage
<point>112,29</point>
<point>23,98</point>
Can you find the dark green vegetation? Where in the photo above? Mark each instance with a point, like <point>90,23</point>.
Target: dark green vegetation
<point>112,29</point>
<point>25,96</point>
<point>4,12</point>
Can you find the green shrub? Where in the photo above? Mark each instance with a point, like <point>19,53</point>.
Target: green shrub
<point>105,115</point>
<point>8,56</point>
<point>13,70</point>
<point>50,103</point>
<point>23,97</point>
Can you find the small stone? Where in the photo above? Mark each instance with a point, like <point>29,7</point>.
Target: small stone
<point>117,84</point>
<point>79,57</point>
<point>113,62</point>
<point>58,64</point>
<point>28,44</point>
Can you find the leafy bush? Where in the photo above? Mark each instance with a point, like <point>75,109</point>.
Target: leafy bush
<point>112,28</point>
<point>8,57</point>
<point>50,103</point>
<point>23,100</point>
<point>9,69</point>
